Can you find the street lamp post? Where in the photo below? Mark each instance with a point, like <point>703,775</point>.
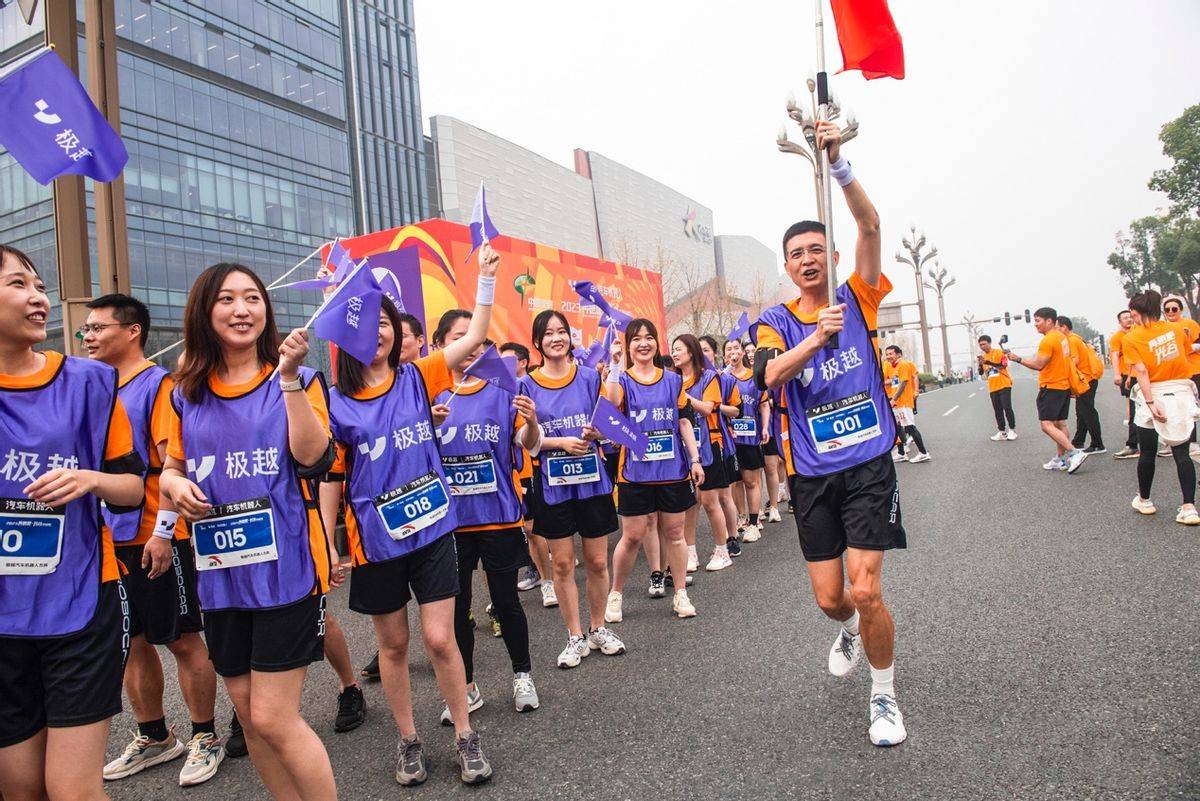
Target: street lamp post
<point>807,120</point>
<point>942,280</point>
<point>914,244</point>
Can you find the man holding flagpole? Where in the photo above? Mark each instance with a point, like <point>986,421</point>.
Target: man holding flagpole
<point>839,434</point>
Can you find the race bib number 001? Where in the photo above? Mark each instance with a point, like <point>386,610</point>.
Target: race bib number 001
<point>660,446</point>
<point>563,470</point>
<point>843,422</point>
<point>31,536</point>
<point>235,534</point>
<point>470,475</point>
<point>413,507</point>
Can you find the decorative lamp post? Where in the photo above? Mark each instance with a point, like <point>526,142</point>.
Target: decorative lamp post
<point>915,244</point>
<point>942,280</point>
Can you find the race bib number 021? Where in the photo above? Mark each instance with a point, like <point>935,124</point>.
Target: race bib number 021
<point>413,507</point>
<point>470,475</point>
<point>843,422</point>
<point>235,534</point>
<point>31,536</point>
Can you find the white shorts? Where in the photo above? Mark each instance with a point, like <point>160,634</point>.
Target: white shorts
<point>904,416</point>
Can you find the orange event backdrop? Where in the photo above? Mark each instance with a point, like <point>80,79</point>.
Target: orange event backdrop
<point>532,277</point>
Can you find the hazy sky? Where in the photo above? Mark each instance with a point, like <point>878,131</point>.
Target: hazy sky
<point>1021,140</point>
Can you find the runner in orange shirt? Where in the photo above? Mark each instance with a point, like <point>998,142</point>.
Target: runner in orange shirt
<point>1121,378</point>
<point>900,381</point>
<point>1173,313</point>
<point>993,364</point>
<point>1087,419</point>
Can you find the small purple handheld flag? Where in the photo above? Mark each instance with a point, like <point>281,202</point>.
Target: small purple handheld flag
<point>739,328</point>
<point>609,421</point>
<point>339,265</point>
<point>350,316</point>
<point>615,318</point>
<point>51,126</point>
<point>491,366</point>
<point>481,226</point>
<point>595,354</point>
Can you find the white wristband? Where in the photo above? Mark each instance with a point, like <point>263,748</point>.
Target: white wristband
<point>485,294</point>
<point>840,170</point>
<point>164,524</point>
<point>614,373</point>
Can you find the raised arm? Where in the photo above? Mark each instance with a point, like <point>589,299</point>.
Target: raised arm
<point>868,249</point>
<point>457,351</point>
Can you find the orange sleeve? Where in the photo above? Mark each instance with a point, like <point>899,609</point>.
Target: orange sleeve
<point>768,337</point>
<point>620,401</point>
<point>712,393</point>
<point>869,297</point>
<point>435,373</point>
<point>175,436</point>
<point>682,400</point>
<point>735,396</point>
<point>316,399</point>
<point>160,420</point>
<point>1046,347</point>
<point>339,460</point>
<point>120,434</point>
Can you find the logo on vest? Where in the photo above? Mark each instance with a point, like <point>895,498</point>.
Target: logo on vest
<point>446,435</point>
<point>207,463</point>
<point>374,451</point>
<point>639,416</point>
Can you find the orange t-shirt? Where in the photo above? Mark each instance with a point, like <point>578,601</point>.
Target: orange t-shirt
<point>995,367</point>
<point>906,371</point>
<point>1084,357</point>
<point>1115,343</point>
<point>1191,330</point>
<point>1161,346</point>
<point>1056,347</point>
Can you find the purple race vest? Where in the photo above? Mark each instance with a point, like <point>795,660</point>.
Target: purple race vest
<point>253,550</point>
<point>50,558</point>
<point>700,427</point>
<point>728,382</point>
<point>137,396</point>
<point>395,487</point>
<point>563,412</point>
<point>747,422</point>
<point>478,456</point>
<point>839,415</point>
<point>653,410</point>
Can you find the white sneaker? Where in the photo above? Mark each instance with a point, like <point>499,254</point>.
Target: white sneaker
<point>1012,434</point>
<point>1075,459</point>
<point>887,724</point>
<point>845,653</point>
<point>142,753</point>
<point>682,605</point>
<point>549,596</point>
<point>573,654</point>
<point>899,457</point>
<point>1194,449</point>
<point>525,697</point>
<point>752,533</point>
<point>1164,450</point>
<point>999,436</point>
<point>1187,517</point>
<point>612,611</point>
<point>205,753</point>
<point>693,560</point>
<point>474,702</point>
<point>604,641</point>
<point>719,561</point>
<point>773,515</point>
<point>920,457</point>
<point>1146,506</point>
<point>1055,463</point>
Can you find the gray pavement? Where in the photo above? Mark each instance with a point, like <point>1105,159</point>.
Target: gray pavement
<point>1048,647</point>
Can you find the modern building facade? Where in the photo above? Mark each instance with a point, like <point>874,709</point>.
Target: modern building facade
<point>257,129</point>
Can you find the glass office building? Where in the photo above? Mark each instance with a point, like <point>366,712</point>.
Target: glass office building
<point>241,118</point>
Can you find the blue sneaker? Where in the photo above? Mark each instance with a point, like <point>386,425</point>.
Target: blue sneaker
<point>733,547</point>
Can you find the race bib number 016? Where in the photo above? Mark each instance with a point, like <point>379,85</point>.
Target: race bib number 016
<point>413,507</point>
<point>843,422</point>
<point>660,446</point>
<point>30,538</point>
<point>566,469</point>
<point>470,475</point>
<point>235,534</point>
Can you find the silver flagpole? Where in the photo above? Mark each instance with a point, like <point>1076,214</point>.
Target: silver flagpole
<point>821,154</point>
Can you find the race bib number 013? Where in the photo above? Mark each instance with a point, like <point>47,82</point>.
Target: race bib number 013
<point>843,422</point>
<point>413,507</point>
<point>30,537</point>
<point>235,534</point>
<point>565,470</point>
<point>470,475</point>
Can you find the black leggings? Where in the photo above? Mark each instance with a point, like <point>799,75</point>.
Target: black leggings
<point>1002,406</point>
<point>1184,466</point>
<point>915,434</point>
<point>506,606</point>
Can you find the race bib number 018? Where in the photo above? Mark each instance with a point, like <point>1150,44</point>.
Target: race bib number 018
<point>413,507</point>
<point>30,538</point>
<point>566,469</point>
<point>235,534</point>
<point>843,422</point>
<point>470,475</point>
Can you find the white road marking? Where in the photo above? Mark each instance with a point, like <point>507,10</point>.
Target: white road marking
<point>973,394</point>
<point>949,411</point>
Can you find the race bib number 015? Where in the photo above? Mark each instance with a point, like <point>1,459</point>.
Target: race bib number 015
<point>470,475</point>
<point>413,507</point>
<point>235,534</point>
<point>30,537</point>
<point>843,422</point>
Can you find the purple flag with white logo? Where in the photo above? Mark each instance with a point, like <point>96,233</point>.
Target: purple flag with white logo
<point>739,328</point>
<point>339,265</point>
<point>491,366</point>
<point>51,126</point>
<point>350,316</point>
<point>589,293</point>
<point>482,229</point>
<point>609,421</point>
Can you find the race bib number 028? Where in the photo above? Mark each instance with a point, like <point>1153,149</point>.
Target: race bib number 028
<point>235,534</point>
<point>843,422</point>
<point>31,536</point>
<point>745,427</point>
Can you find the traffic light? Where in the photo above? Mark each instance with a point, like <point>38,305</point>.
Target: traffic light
<point>1027,317</point>
<point>1007,318</point>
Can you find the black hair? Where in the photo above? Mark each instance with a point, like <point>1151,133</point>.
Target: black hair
<point>1047,313</point>
<point>802,227</point>
<point>349,371</point>
<point>517,348</point>
<point>1067,322</point>
<point>711,341</point>
<point>1122,311</point>
<point>1148,304</point>
<point>695,354</point>
<point>446,322</point>
<point>414,325</point>
<point>127,310</point>
<point>19,255</point>
<point>985,338</point>
<point>542,322</point>
<point>635,327</point>
<point>1172,299</point>
<point>895,348</point>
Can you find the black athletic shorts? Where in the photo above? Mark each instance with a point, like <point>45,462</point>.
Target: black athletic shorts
<point>771,448</point>
<point>380,588</point>
<point>501,551</point>
<point>644,499</point>
<point>65,681</point>
<point>526,489</point>
<point>856,508</point>
<point>750,457</point>
<point>589,518</point>
<point>732,469</point>
<point>266,640</point>
<point>1053,404</point>
<point>165,609</point>
<point>715,475</point>
<point>612,461</point>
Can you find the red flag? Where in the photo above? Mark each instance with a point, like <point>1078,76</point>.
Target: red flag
<point>868,38</point>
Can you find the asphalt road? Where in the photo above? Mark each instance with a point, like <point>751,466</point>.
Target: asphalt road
<point>1048,647</point>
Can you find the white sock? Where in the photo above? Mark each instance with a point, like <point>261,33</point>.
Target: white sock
<point>691,550</point>
<point>850,624</point>
<point>881,680</point>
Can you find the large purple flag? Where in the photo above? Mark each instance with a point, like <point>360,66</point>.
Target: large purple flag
<point>350,316</point>
<point>51,126</point>
<point>739,328</point>
<point>482,229</point>
<point>609,421</point>
<point>491,366</point>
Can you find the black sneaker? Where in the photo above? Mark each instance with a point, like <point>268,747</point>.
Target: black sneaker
<point>733,546</point>
<point>235,743</point>
<point>668,581</point>
<point>657,585</point>
<point>791,507</point>
<point>1096,449</point>
<point>371,671</point>
<point>352,709</point>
